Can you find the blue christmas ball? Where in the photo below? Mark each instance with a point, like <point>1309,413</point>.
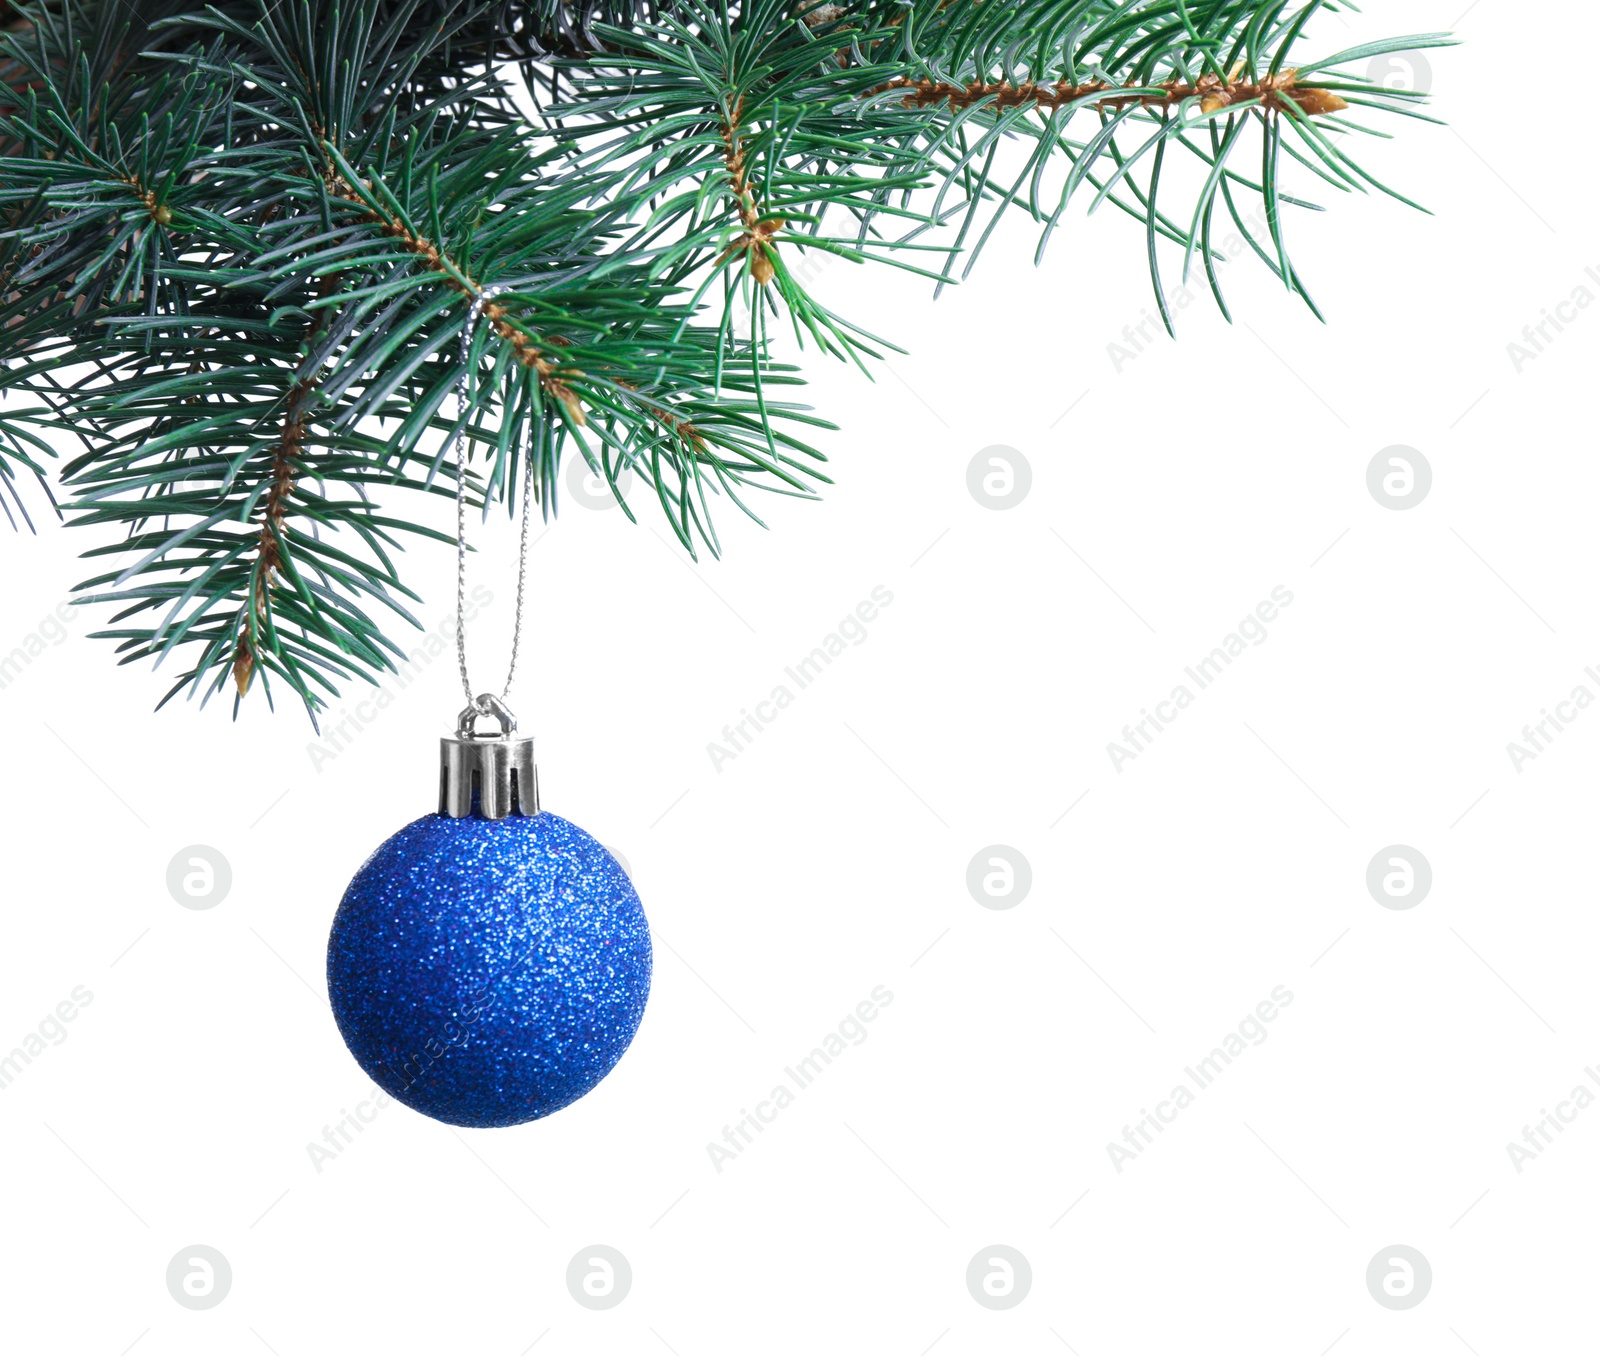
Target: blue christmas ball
<point>488,972</point>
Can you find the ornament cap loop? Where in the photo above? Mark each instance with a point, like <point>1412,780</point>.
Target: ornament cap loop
<point>490,775</point>
<point>485,704</point>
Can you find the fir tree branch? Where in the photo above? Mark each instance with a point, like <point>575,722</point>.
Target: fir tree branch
<point>239,242</point>
<point>524,346</point>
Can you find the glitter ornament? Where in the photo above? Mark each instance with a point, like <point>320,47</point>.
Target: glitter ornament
<point>489,964</point>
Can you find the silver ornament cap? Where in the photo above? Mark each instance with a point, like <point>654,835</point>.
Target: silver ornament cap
<point>498,768</point>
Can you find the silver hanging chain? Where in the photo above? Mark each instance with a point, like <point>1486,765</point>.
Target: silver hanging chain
<point>481,703</point>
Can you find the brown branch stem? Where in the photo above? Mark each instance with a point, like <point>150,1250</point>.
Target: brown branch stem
<point>1274,91</point>
<point>274,509</point>
<point>756,240</point>
<point>275,504</point>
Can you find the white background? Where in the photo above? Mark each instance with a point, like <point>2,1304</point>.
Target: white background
<point>831,856</point>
